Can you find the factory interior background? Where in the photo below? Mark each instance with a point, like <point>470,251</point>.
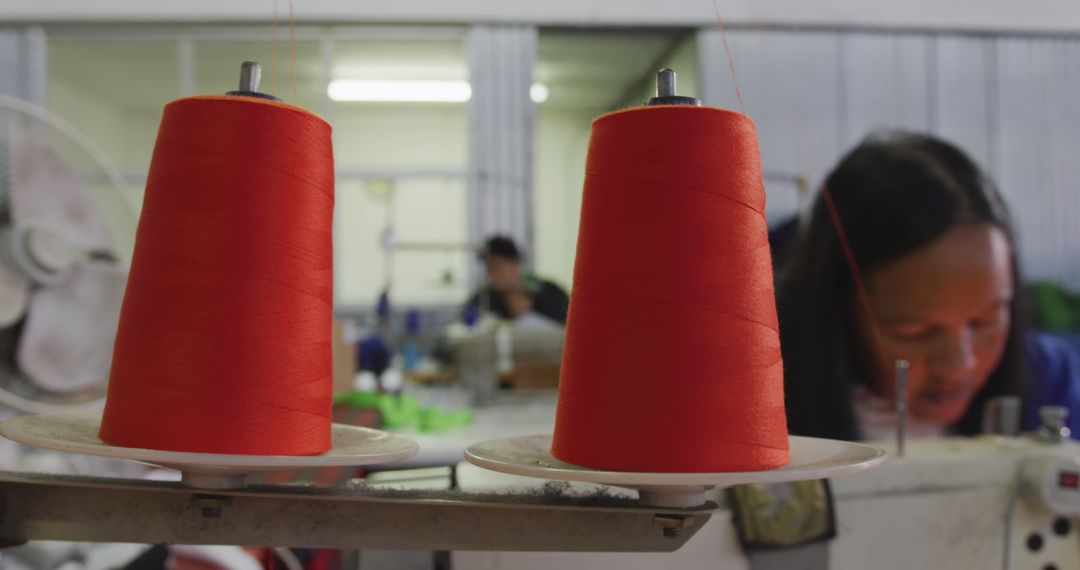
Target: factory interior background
<point>401,165</point>
<point>497,145</point>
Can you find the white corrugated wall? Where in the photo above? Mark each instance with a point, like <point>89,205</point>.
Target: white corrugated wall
<point>1013,102</point>
<point>501,127</point>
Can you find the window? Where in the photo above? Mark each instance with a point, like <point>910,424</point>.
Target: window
<point>400,218</point>
<point>401,209</point>
<point>589,73</point>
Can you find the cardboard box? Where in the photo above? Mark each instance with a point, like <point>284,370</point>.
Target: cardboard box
<point>345,357</point>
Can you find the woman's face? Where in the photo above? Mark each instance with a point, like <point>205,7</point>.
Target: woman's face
<point>945,309</point>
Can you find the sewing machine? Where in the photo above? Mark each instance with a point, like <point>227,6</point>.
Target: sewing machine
<point>952,503</point>
<point>527,356</point>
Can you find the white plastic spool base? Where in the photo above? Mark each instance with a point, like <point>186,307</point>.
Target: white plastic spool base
<point>78,433</point>
<point>811,458</point>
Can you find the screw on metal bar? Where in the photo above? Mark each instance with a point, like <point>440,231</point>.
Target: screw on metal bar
<point>6,542</point>
<point>671,525</point>
<point>210,506</point>
<point>1054,428</point>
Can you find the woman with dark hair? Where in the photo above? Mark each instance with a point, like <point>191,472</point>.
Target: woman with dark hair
<point>934,247</point>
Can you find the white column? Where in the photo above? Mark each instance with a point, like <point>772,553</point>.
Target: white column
<point>23,63</point>
<point>501,127</point>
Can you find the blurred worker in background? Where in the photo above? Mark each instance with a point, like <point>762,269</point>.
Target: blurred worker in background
<point>934,244</point>
<point>512,294</point>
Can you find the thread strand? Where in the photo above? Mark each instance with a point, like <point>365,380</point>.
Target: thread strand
<point>292,47</point>
<point>273,51</point>
<point>730,58</point>
<point>856,277</point>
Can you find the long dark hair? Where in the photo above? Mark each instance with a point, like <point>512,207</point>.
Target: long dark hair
<point>894,193</point>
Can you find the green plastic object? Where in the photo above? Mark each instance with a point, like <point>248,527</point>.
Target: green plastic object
<point>434,421</point>
<point>404,411</point>
<point>358,399</point>
<point>1054,308</point>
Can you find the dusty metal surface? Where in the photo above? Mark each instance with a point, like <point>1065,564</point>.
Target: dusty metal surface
<point>43,507</point>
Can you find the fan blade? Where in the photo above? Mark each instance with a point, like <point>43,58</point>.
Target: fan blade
<point>66,344</point>
<point>45,188</point>
<point>14,296</point>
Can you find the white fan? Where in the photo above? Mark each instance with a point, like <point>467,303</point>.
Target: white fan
<point>61,280</point>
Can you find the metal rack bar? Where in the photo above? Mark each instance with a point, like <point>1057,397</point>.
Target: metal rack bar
<point>46,507</point>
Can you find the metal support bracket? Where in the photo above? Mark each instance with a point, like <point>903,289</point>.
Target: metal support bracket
<point>47,507</point>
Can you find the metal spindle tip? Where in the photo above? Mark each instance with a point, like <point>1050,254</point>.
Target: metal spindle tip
<point>665,83</point>
<point>665,91</point>
<point>250,73</point>
<point>902,364</point>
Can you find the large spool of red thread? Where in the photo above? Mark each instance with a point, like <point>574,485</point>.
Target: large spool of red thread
<point>224,342</point>
<point>672,360</point>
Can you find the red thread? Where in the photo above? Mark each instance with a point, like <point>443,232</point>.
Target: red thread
<point>224,337</point>
<point>730,59</point>
<point>672,360</point>
<point>273,52</point>
<point>292,47</point>
<point>856,277</point>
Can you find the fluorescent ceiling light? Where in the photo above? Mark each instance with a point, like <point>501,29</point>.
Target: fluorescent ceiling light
<point>539,92</point>
<point>406,91</point>
<point>413,91</point>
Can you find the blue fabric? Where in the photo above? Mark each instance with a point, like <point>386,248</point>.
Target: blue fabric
<point>1056,371</point>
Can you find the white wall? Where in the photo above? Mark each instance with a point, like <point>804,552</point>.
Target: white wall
<point>562,139</point>
<point>1061,15</point>
<point>93,116</point>
<point>417,138</point>
<point>22,54</point>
